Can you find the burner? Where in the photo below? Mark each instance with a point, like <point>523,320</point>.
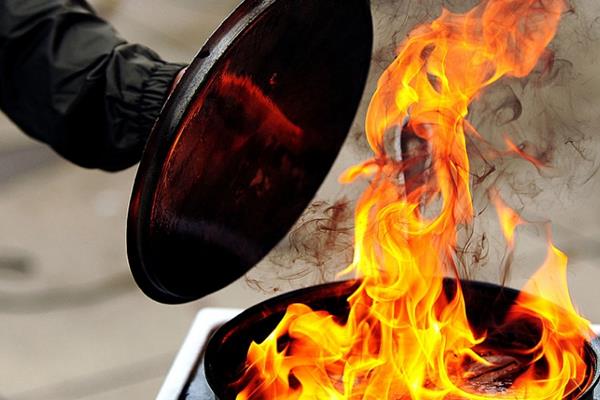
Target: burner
<point>186,379</point>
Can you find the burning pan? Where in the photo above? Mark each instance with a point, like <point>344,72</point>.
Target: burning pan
<point>487,304</point>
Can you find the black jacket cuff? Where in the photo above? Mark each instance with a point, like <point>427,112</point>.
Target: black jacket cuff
<point>155,92</point>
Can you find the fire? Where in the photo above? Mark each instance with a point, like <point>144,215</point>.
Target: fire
<point>509,219</point>
<point>403,337</point>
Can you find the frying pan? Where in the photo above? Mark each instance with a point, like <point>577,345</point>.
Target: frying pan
<point>486,305</point>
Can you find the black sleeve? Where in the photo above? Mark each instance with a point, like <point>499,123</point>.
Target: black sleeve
<point>68,79</point>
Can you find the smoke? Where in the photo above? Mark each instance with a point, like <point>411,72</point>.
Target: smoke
<point>552,116</point>
<point>315,250</point>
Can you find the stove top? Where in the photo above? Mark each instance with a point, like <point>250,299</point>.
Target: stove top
<point>186,379</point>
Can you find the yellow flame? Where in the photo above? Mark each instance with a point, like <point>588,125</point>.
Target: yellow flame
<point>403,338</point>
<point>509,219</point>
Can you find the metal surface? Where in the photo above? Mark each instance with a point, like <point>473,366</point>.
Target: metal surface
<point>245,141</point>
<point>226,351</point>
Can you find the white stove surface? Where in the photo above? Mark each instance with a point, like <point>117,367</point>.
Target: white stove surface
<point>205,322</point>
<point>186,360</point>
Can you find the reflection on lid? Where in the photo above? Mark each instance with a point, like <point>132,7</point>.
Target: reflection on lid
<point>257,111</point>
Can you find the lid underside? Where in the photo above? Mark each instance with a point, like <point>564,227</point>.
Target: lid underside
<point>245,141</point>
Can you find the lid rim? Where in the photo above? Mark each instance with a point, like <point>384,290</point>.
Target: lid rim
<point>168,125</point>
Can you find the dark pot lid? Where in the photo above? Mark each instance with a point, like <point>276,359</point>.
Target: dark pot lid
<point>245,141</point>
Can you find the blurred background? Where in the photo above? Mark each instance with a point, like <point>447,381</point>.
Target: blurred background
<point>73,325</point>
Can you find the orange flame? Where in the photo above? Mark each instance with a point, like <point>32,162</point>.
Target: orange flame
<point>546,298</point>
<point>513,148</point>
<point>509,219</point>
<point>403,338</point>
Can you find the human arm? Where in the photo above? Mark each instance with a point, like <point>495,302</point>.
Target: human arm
<point>68,79</point>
